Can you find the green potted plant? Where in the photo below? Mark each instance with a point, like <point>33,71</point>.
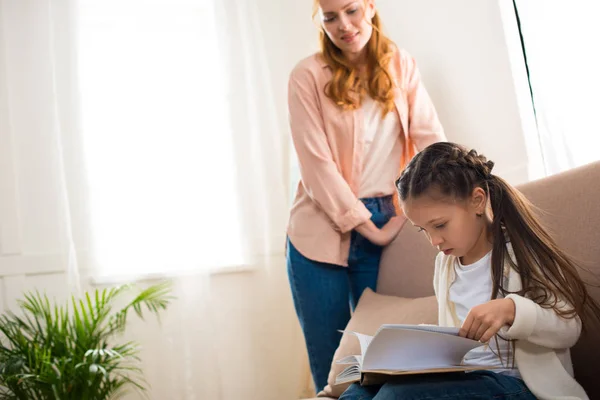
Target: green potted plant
<point>72,351</point>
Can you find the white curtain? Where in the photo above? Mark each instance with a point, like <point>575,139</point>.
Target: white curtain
<point>232,332</point>
<point>40,126</point>
<point>560,41</point>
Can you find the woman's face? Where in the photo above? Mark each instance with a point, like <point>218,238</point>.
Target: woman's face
<point>348,24</point>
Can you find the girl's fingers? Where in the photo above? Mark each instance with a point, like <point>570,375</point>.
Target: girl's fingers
<point>464,329</point>
<point>489,334</point>
<point>483,328</point>
<point>476,323</point>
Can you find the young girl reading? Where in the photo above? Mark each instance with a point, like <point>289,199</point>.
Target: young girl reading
<point>499,277</point>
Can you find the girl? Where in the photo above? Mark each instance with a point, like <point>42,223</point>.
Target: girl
<point>499,277</point>
<point>357,110</point>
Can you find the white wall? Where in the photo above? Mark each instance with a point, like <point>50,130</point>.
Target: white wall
<point>468,51</point>
<point>290,35</point>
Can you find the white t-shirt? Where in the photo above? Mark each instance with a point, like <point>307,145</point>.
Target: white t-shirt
<point>472,287</point>
<point>382,150</point>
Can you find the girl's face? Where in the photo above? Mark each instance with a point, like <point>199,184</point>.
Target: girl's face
<point>453,226</point>
<point>348,24</point>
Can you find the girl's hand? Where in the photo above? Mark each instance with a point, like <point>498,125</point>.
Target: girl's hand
<point>485,320</point>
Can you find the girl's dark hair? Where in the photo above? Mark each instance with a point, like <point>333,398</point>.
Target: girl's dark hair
<point>549,276</point>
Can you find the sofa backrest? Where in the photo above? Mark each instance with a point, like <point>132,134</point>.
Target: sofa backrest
<point>569,206</point>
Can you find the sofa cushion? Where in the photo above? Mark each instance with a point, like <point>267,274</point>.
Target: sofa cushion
<point>372,311</point>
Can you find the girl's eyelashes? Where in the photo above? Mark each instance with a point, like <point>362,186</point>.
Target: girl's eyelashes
<point>438,226</point>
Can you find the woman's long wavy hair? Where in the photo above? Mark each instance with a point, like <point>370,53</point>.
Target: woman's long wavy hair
<point>549,276</point>
<point>346,88</point>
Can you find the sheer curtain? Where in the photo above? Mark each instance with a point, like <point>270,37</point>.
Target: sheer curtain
<point>165,156</point>
<point>560,40</point>
<point>234,336</point>
<point>40,141</point>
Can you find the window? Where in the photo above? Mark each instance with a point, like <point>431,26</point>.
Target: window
<point>560,41</point>
<point>158,145</point>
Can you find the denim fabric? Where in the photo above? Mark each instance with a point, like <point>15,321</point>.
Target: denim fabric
<point>324,293</point>
<point>478,385</point>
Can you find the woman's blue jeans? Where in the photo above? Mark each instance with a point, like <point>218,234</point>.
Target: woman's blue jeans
<point>324,293</point>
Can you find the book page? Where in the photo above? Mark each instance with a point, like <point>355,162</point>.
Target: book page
<point>350,374</point>
<point>411,349</point>
<point>423,327</point>
<point>363,339</point>
<point>350,360</point>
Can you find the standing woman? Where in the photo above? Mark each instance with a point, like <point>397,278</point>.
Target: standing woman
<point>358,112</point>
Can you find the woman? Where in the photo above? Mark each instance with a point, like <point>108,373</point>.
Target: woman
<point>358,111</point>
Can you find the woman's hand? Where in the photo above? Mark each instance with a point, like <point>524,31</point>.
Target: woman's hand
<point>385,235</point>
<point>485,320</point>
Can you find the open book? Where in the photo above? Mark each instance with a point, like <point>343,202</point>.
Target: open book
<point>406,349</point>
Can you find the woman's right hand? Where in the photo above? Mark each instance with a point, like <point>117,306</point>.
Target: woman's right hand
<point>385,235</point>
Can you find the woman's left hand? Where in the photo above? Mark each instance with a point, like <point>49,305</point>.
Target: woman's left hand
<point>485,320</point>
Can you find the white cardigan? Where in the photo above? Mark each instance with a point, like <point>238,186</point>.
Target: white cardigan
<point>542,337</point>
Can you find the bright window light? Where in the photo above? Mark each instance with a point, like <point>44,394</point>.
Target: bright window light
<point>158,144</point>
